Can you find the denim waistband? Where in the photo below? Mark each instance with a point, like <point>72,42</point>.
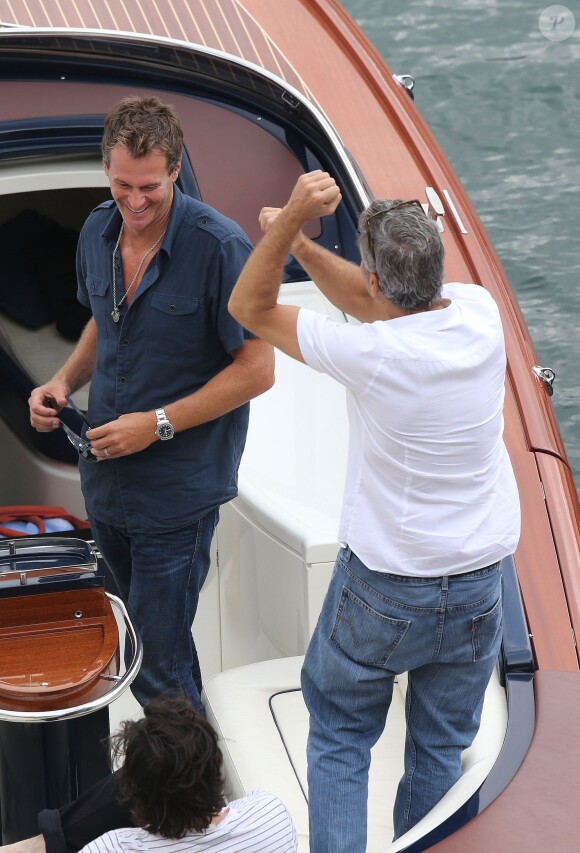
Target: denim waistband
<point>346,553</point>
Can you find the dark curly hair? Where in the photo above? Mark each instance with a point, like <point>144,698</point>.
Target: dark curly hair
<point>143,126</point>
<point>171,777</point>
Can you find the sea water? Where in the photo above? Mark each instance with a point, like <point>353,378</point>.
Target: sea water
<point>498,83</point>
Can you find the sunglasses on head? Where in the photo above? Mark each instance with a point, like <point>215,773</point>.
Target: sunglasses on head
<point>81,445</point>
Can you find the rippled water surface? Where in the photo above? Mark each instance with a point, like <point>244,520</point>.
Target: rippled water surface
<point>504,103</point>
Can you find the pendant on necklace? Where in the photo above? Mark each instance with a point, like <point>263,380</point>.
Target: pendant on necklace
<point>115,315</point>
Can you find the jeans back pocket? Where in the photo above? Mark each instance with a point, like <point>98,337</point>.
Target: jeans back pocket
<point>484,632</point>
<point>367,637</point>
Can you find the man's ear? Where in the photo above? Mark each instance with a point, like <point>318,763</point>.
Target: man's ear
<point>176,171</point>
<point>374,286</point>
<point>105,169</point>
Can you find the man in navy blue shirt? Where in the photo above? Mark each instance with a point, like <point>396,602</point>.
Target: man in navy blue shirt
<point>171,376</point>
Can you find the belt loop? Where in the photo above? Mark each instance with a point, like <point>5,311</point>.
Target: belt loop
<point>445,582</point>
<point>347,553</point>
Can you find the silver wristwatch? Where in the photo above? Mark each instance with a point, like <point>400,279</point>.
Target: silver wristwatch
<point>164,430</point>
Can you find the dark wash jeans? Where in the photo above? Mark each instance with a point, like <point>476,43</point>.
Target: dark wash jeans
<point>446,632</point>
<point>160,576</point>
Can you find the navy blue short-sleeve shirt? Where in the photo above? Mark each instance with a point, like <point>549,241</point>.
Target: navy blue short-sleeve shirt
<point>175,336</point>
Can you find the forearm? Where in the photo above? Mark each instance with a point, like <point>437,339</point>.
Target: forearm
<point>256,291</point>
<point>341,281</point>
<point>244,379</point>
<point>254,299</point>
<point>78,369</point>
<point>250,373</point>
<point>75,373</point>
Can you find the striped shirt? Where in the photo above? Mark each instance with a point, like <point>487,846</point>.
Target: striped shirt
<point>259,822</point>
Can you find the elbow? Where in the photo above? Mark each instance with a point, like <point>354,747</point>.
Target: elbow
<point>248,315</point>
<point>269,381</point>
<point>267,374</point>
<point>239,312</point>
<point>262,386</point>
<point>263,375</point>
<point>233,306</point>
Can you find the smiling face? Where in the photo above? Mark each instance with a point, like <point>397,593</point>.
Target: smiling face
<point>142,190</point>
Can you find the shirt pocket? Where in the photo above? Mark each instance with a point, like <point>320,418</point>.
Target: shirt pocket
<point>175,306</point>
<point>100,297</point>
<point>176,323</point>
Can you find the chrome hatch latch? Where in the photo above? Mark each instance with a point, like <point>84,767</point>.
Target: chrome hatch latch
<point>545,375</point>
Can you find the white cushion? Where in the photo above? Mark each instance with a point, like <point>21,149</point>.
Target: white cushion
<point>262,722</point>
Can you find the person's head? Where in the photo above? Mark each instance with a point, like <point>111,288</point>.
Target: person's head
<point>143,126</point>
<point>171,777</point>
<point>142,144</point>
<point>402,245</point>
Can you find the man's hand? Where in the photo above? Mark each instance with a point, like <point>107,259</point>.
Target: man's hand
<point>128,434</point>
<point>44,403</point>
<point>315,194</point>
<point>268,215</point>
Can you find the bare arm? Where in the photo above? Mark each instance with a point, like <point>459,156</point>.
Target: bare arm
<point>27,845</point>
<point>341,281</point>
<point>75,373</point>
<point>254,299</point>
<point>250,374</point>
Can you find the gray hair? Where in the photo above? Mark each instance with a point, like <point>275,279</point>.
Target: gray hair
<point>404,250</point>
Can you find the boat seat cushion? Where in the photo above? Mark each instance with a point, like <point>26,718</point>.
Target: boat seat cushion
<point>262,722</point>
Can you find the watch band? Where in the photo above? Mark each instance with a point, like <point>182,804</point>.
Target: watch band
<point>164,429</point>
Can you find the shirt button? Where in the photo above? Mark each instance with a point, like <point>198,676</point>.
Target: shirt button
<point>125,343</point>
<point>122,380</point>
<point>172,307</point>
<point>92,288</point>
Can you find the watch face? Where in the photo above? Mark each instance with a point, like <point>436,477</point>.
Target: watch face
<point>165,430</point>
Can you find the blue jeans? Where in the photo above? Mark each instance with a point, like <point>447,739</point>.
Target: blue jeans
<point>160,576</point>
<point>446,632</point>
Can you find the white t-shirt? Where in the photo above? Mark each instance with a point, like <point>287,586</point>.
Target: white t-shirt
<point>258,823</point>
<point>429,488</point>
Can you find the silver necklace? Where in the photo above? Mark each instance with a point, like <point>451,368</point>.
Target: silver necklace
<point>115,313</point>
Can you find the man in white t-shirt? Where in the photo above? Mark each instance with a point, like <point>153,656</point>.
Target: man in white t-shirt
<point>167,796</point>
<point>430,503</point>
